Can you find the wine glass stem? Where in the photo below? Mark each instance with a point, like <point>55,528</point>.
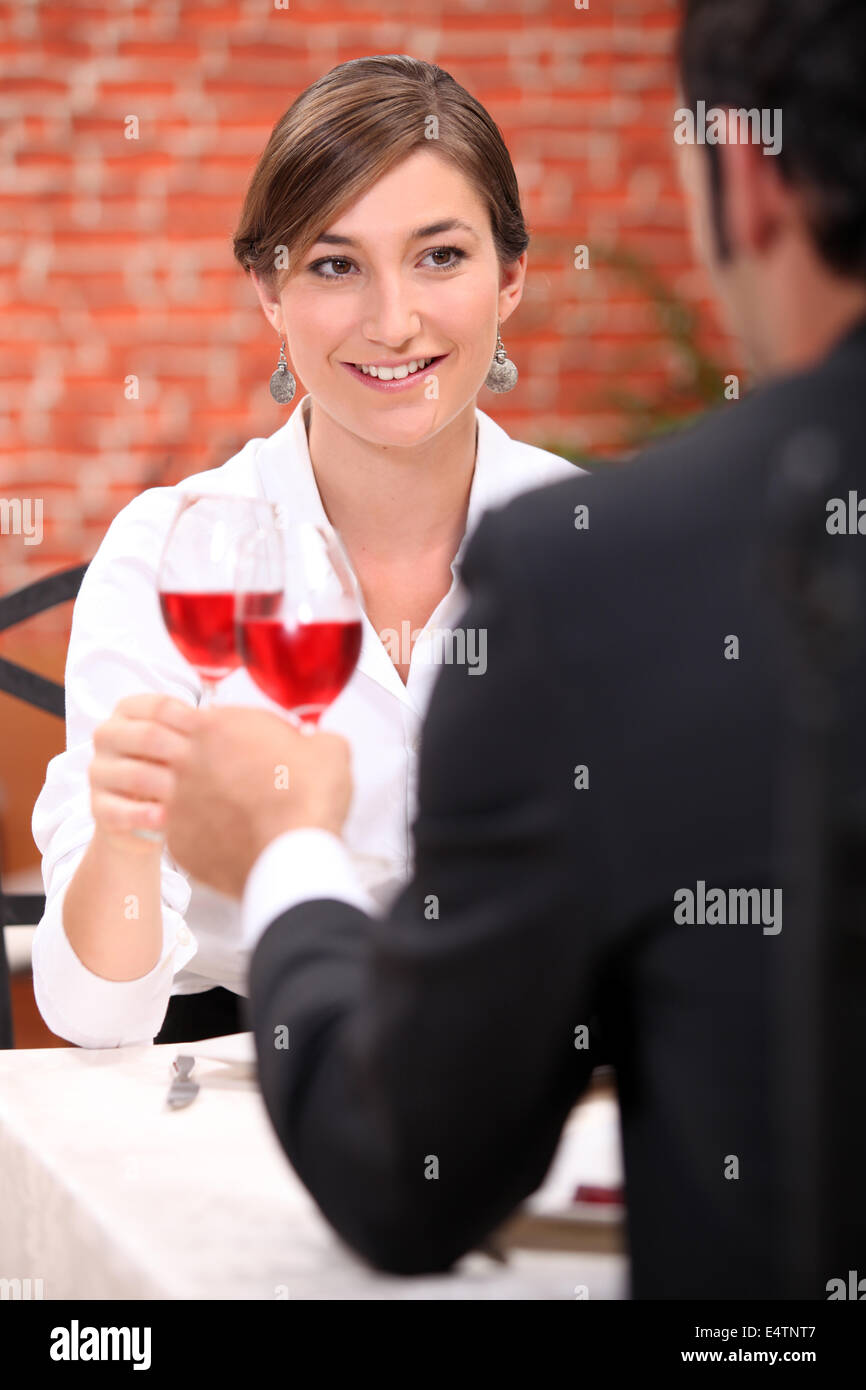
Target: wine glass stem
<point>207,691</point>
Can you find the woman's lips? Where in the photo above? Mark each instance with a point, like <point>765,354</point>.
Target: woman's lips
<point>393,385</point>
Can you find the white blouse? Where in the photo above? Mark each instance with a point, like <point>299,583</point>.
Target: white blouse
<point>119,646</point>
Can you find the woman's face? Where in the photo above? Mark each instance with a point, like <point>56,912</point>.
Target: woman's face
<point>372,291</point>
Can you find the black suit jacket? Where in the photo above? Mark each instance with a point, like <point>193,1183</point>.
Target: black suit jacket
<point>452,1037</point>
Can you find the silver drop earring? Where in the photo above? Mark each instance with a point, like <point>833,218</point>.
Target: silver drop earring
<point>503,373</point>
<point>282,380</point>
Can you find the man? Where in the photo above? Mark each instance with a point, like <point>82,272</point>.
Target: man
<point>596,844</point>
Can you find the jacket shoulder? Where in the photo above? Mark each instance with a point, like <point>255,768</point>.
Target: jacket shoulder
<point>714,469</point>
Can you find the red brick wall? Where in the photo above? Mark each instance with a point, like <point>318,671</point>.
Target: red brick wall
<point>115,255</point>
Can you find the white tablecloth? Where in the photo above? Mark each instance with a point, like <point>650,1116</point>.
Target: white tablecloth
<point>107,1193</point>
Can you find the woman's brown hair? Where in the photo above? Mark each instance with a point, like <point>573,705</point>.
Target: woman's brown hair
<point>349,128</point>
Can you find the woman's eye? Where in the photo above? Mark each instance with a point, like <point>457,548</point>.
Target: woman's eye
<point>447,251</point>
<point>331,260</point>
<point>337,273</point>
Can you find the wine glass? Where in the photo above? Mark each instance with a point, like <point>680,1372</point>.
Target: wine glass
<point>197,575</point>
<point>298,618</point>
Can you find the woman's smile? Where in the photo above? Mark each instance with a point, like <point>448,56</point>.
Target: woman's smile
<point>384,378</point>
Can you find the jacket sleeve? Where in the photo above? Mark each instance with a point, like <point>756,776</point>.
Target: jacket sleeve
<point>418,1069</point>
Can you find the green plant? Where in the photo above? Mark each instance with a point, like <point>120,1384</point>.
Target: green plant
<point>695,389</point>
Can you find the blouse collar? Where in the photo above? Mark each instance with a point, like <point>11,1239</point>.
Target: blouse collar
<point>287,476</point>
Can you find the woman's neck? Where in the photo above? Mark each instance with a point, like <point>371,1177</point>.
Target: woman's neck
<point>394,502</point>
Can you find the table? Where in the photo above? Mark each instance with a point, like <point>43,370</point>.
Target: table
<point>107,1193</point>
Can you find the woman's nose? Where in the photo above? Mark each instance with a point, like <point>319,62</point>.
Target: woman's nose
<point>391,316</point>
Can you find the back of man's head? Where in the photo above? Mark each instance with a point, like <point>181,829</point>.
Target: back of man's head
<point>807,59</point>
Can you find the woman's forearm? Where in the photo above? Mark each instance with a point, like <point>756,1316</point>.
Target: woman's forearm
<point>112,911</point>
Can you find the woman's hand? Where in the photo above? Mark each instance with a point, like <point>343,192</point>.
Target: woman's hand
<point>132,774</point>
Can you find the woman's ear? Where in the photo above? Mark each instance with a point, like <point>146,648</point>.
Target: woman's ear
<point>270,302</point>
<point>511,280</point>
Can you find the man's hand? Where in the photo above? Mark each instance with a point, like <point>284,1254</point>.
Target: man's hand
<point>248,776</point>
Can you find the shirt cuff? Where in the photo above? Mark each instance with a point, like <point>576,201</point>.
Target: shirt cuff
<point>90,1011</point>
<point>295,867</point>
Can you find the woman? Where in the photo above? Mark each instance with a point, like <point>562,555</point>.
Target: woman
<point>383,233</point>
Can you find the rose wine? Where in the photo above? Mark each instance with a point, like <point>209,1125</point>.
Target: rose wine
<point>302,667</point>
<point>202,627</point>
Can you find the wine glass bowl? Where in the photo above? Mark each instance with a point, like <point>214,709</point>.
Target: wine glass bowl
<point>298,619</point>
<point>197,574</point>
<point>201,625</point>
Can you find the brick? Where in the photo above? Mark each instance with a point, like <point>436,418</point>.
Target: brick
<point>115,255</point>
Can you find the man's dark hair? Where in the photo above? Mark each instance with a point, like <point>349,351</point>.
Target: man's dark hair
<point>807,58</point>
